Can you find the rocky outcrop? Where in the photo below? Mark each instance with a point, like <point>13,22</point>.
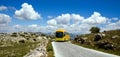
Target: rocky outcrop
<point>105,45</point>
<point>99,36</point>
<point>40,51</point>
<point>7,39</point>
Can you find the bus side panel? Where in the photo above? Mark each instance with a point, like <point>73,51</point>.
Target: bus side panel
<point>67,37</point>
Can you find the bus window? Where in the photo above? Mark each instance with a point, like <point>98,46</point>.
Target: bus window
<point>59,34</point>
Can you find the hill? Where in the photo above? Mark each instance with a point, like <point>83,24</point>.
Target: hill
<point>107,41</point>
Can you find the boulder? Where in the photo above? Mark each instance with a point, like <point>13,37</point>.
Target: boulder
<point>105,45</point>
<point>115,36</point>
<point>97,37</point>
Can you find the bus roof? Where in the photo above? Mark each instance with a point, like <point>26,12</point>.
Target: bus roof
<point>60,30</point>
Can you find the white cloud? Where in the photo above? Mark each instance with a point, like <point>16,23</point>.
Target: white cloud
<point>96,18</point>
<point>115,19</point>
<point>51,28</point>
<point>114,25</point>
<point>27,12</point>
<point>52,22</point>
<point>28,28</point>
<point>33,25</point>
<point>17,26</point>
<point>4,19</point>
<point>63,19</point>
<point>33,28</point>
<point>80,24</point>
<point>3,8</point>
<point>77,17</point>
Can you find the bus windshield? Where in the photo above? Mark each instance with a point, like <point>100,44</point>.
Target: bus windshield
<point>59,34</point>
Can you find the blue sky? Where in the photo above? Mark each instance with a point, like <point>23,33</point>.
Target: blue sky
<point>109,9</point>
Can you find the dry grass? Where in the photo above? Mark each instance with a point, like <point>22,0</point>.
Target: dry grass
<point>17,50</point>
<point>108,37</point>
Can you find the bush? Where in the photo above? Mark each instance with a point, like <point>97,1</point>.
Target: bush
<point>95,30</point>
<point>49,47</point>
<point>21,41</point>
<point>14,34</point>
<point>42,34</point>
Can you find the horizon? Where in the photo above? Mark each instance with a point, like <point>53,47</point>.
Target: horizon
<point>75,16</point>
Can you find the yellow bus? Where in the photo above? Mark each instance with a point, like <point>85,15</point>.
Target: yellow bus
<point>61,35</point>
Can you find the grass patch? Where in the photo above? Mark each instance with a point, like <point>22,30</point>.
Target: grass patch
<point>17,50</point>
<point>50,49</point>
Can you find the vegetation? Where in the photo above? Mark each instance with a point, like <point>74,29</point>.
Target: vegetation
<point>43,34</point>
<point>50,49</point>
<point>18,44</point>
<point>95,30</point>
<point>109,37</point>
<point>14,34</point>
<point>17,50</point>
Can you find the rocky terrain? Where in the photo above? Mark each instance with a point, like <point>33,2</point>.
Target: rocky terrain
<point>40,51</point>
<point>19,44</point>
<point>107,41</point>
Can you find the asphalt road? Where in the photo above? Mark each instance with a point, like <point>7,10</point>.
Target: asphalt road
<point>66,49</point>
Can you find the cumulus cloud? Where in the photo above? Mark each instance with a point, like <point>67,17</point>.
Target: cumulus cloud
<point>27,13</point>
<point>96,18</point>
<point>33,28</point>
<point>52,22</point>
<point>63,19</point>
<point>115,25</point>
<point>4,19</point>
<point>28,28</point>
<point>17,26</point>
<point>82,24</point>
<point>50,28</point>
<point>77,18</point>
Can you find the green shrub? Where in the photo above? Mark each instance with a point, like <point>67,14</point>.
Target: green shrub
<point>49,47</point>
<point>14,34</point>
<point>95,30</point>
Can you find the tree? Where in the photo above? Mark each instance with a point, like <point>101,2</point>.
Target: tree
<point>95,30</point>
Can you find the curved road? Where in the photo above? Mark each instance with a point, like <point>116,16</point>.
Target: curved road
<point>66,49</point>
